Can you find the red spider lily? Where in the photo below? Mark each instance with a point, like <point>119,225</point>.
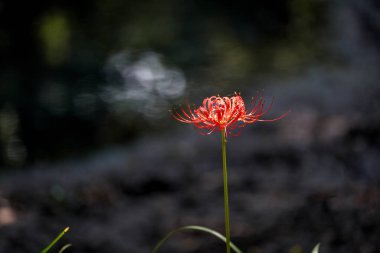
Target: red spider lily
<point>225,113</point>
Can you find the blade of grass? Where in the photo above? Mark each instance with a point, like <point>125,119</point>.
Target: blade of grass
<point>45,250</point>
<point>316,248</point>
<point>197,228</point>
<point>64,248</point>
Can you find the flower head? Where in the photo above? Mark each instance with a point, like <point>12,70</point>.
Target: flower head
<point>224,113</point>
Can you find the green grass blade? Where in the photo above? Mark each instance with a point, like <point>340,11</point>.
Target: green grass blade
<point>45,250</point>
<point>316,248</point>
<point>198,228</point>
<point>64,248</point>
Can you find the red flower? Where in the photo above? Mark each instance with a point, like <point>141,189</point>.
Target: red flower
<point>224,113</point>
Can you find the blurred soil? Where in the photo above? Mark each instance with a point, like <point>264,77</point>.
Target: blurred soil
<point>287,192</point>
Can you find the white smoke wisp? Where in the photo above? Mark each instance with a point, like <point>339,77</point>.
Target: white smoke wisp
<point>145,82</point>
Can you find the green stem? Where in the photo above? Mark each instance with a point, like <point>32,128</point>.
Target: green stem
<point>225,187</point>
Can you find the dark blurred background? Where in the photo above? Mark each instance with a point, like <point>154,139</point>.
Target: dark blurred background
<point>86,139</point>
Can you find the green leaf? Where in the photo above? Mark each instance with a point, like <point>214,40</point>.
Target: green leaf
<point>198,228</point>
<point>45,250</point>
<point>64,248</point>
<point>316,248</point>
